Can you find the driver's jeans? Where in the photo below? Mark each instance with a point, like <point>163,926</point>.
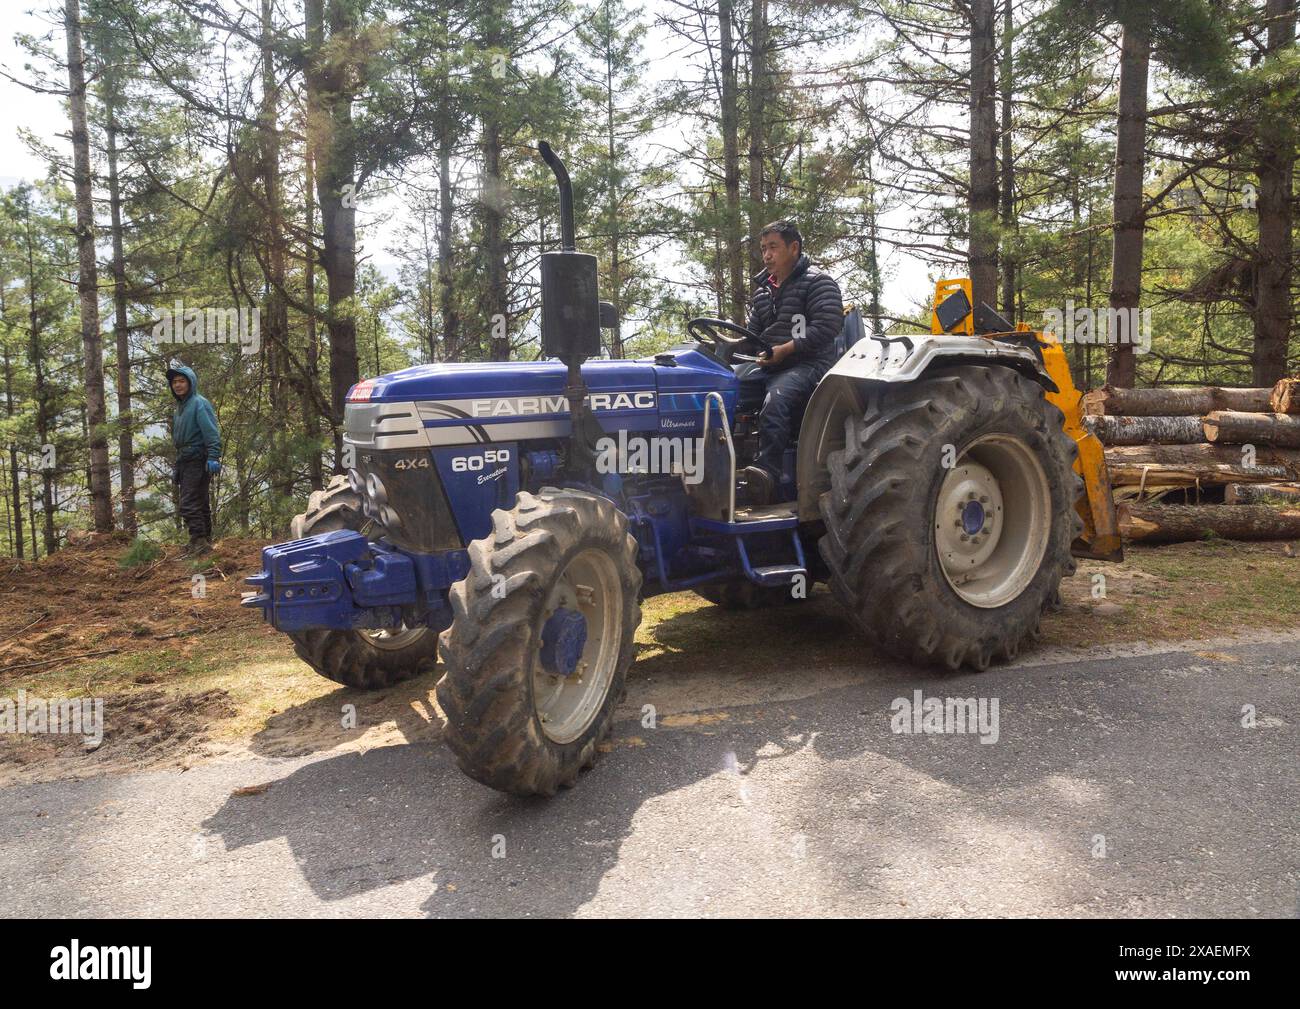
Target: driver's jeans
<point>779,397</point>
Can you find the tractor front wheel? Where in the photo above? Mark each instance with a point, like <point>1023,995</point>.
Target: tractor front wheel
<point>367,660</point>
<point>540,641</point>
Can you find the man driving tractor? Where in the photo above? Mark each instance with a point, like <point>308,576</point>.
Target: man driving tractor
<point>795,314</point>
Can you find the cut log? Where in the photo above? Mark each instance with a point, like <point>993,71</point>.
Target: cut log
<point>1262,493</point>
<point>1145,430</point>
<point>1286,396</point>
<point>1155,523</point>
<point>1203,455</point>
<point>1172,402</point>
<point>1228,427</point>
<point>1158,476</point>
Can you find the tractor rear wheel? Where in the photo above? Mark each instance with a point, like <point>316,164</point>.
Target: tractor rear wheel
<point>951,514</point>
<point>367,660</point>
<point>540,641</point>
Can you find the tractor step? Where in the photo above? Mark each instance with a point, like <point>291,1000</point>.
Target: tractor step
<point>779,574</point>
<point>765,513</point>
<point>759,519</point>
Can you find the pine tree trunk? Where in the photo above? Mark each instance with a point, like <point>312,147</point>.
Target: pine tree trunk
<point>15,488</point>
<point>1285,397</point>
<point>733,239</point>
<point>1146,430</point>
<point>333,151</point>
<point>1160,476</point>
<point>496,297</point>
<point>311,381</point>
<point>276,345</point>
<point>1277,150</point>
<point>758,37</point>
<point>101,489</point>
<point>1155,523</point>
<point>1261,493</point>
<point>42,395</point>
<point>1169,401</point>
<point>873,262</point>
<point>446,255</point>
<point>31,507</point>
<point>121,332</point>
<point>1228,427</point>
<point>613,216</point>
<point>1203,455</point>
<point>1129,217</point>
<point>982,201</point>
<point>1008,169</point>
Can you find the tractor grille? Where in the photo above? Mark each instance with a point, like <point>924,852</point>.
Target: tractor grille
<point>384,426</point>
<point>389,443</point>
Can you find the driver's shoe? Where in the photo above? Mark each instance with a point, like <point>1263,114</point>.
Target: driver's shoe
<point>756,486</point>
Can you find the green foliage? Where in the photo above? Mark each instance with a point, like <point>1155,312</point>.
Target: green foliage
<point>141,551</point>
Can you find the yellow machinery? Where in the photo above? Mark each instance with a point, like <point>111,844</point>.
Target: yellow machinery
<point>1100,539</point>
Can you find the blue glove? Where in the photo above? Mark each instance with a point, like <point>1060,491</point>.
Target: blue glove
<point>214,466</point>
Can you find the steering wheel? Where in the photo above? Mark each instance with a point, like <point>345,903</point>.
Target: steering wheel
<point>707,330</point>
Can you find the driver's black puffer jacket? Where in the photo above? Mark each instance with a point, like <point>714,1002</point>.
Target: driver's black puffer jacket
<point>814,296</point>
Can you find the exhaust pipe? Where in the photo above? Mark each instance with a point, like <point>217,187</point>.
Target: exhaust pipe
<point>568,240</point>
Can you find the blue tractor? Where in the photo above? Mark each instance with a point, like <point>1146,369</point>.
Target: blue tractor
<point>934,486</point>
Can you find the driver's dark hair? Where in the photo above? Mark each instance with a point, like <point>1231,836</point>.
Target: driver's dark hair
<point>788,230</point>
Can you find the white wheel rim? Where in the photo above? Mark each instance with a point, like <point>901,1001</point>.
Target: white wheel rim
<point>567,705</point>
<point>999,481</point>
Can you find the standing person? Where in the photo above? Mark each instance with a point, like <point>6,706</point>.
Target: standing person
<point>796,315</point>
<point>198,456</point>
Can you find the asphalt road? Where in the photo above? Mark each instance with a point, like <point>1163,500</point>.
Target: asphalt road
<point>1117,787</point>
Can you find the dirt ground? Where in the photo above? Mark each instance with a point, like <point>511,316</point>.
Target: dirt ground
<point>186,675</point>
<point>80,603</point>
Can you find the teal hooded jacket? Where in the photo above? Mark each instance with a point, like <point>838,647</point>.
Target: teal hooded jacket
<point>194,424</point>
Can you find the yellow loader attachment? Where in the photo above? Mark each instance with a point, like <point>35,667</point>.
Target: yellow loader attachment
<point>1100,539</point>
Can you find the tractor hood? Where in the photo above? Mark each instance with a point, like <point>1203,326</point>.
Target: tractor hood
<point>509,401</point>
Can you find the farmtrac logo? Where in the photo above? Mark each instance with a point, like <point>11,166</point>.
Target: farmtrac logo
<point>75,962</point>
<point>520,406</point>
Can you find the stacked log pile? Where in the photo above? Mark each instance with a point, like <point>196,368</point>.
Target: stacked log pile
<point>1230,458</point>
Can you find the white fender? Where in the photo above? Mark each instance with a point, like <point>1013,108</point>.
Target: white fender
<point>842,391</point>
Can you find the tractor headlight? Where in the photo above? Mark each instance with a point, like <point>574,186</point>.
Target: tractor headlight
<point>374,499</point>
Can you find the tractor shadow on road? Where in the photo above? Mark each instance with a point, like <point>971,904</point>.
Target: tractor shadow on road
<point>815,782</point>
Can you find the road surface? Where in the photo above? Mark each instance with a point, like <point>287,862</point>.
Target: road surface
<point>1117,786</point>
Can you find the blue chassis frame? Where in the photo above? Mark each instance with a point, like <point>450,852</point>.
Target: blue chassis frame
<point>343,581</point>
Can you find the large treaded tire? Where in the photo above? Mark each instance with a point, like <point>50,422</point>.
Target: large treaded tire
<point>880,540</point>
<point>491,649</point>
<point>366,660</point>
